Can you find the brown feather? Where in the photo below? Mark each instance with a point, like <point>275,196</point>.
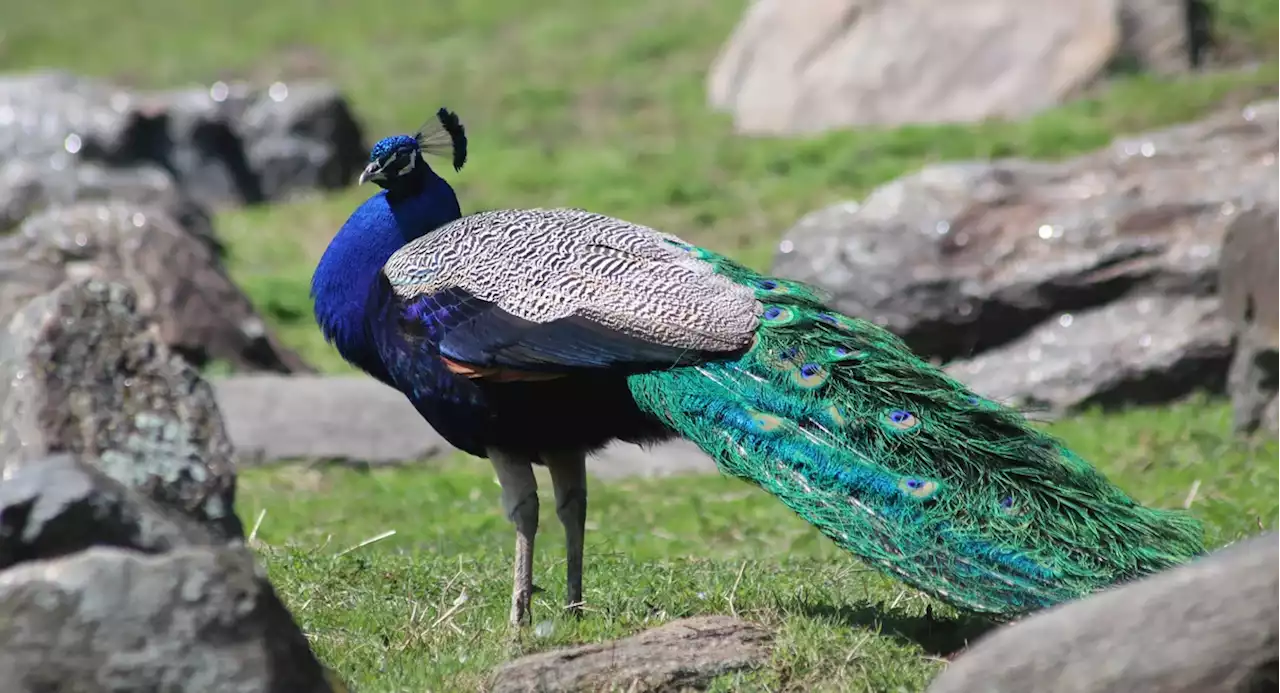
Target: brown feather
<point>497,375</point>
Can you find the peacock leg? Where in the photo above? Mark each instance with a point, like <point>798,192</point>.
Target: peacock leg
<point>569,477</point>
<point>520,503</point>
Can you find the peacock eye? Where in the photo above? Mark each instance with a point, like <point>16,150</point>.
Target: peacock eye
<point>901,420</point>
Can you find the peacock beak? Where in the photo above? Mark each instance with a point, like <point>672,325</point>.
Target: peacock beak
<point>371,172</point>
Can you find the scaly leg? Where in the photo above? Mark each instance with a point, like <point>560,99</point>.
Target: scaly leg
<point>569,476</point>
<point>520,503</point>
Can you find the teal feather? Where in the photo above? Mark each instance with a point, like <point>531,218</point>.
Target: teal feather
<point>903,466</point>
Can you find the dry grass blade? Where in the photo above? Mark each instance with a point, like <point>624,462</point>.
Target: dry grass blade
<point>366,542</point>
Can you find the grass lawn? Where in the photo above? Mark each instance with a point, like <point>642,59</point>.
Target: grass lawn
<point>383,615</point>
<point>601,105</point>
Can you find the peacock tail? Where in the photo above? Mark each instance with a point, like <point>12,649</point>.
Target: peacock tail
<point>905,467</point>
<point>553,329</point>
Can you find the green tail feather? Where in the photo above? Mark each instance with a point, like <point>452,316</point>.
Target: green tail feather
<point>905,467</point>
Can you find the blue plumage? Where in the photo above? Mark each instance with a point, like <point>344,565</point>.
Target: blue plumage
<point>401,342</point>
<point>347,276</point>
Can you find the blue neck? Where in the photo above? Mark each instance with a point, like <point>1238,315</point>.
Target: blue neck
<point>349,269</point>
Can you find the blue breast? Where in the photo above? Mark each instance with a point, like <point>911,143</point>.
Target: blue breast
<point>410,333</point>
<point>355,308</point>
<point>408,337</point>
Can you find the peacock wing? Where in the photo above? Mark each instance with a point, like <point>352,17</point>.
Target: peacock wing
<point>546,290</point>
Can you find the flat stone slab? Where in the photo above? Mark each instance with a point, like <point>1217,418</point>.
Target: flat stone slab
<point>680,655</point>
<point>356,419</point>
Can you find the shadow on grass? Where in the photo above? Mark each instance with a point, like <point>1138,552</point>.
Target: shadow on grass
<point>938,637</point>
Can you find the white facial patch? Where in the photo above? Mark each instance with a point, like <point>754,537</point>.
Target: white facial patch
<point>408,167</point>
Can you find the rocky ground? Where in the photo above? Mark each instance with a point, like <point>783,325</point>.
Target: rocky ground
<point>1062,285</point>
<point>122,562</point>
<point>1135,274</point>
<point>123,565</point>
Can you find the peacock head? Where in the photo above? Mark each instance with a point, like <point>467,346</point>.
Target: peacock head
<point>398,157</point>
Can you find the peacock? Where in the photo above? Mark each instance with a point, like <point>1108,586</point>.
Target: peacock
<point>538,336</point>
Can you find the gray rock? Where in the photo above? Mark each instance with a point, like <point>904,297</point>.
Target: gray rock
<point>249,144</point>
<point>678,656</point>
<point>1253,383</point>
<point>844,63</point>
<point>57,116</point>
<point>58,505</point>
<point>1207,627</point>
<point>27,187</point>
<point>193,620</point>
<point>1249,273</point>
<point>323,418</point>
<point>224,144</point>
<point>622,460</point>
<point>358,420</point>
<point>1250,281</point>
<point>82,373</point>
<point>179,281</point>
<point>962,257</point>
<point>1163,36</point>
<point>1139,350</point>
<point>301,135</point>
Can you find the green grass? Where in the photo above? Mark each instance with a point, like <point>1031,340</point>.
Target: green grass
<point>602,105</point>
<point>663,549</point>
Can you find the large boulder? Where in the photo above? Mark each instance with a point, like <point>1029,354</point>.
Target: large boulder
<point>82,373</point>
<point>961,258</point>
<point>241,143</point>
<point>823,64</point>
<point>29,186</point>
<point>1207,627</point>
<point>224,144</point>
<point>1140,350</point>
<point>59,505</point>
<point>190,620</point>
<point>122,564</point>
<point>178,279</point>
<point>1164,36</point>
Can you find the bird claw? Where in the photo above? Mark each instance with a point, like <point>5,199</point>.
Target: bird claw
<point>521,607</point>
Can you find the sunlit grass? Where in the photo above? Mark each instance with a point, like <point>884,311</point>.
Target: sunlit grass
<point>666,548</point>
